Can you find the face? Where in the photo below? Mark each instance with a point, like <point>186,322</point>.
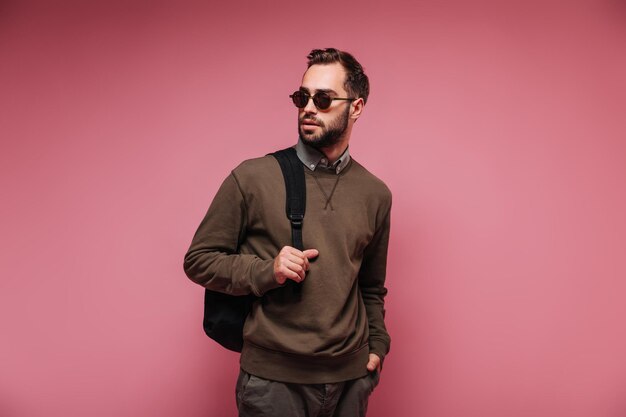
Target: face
<point>324,128</point>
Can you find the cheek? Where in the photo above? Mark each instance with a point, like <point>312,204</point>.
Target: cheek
<point>324,118</point>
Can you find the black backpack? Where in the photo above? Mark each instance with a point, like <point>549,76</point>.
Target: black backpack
<point>225,315</point>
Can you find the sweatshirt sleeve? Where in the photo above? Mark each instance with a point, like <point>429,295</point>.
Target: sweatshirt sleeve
<point>213,260</point>
<point>372,284</point>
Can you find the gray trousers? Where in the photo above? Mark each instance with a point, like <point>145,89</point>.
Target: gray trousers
<point>258,397</point>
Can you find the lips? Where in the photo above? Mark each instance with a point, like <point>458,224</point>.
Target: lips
<point>309,123</point>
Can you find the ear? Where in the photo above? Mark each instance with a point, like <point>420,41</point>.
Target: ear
<point>357,108</point>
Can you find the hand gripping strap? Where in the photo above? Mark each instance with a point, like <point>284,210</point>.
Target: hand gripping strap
<point>295,185</point>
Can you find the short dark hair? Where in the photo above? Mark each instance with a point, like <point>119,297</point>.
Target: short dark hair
<point>357,84</point>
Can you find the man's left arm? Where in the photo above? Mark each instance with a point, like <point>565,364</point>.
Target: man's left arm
<point>372,285</point>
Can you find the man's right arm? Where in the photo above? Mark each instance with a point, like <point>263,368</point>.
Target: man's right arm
<point>213,260</point>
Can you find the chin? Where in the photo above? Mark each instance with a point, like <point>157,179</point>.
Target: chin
<point>309,139</point>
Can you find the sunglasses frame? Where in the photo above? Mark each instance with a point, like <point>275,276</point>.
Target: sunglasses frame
<point>315,102</point>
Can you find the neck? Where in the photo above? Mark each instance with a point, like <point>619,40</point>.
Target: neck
<point>333,153</point>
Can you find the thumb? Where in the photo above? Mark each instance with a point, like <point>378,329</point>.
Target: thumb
<point>311,253</point>
<point>374,362</point>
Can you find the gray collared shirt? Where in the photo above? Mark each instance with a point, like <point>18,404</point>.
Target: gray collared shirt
<point>313,159</point>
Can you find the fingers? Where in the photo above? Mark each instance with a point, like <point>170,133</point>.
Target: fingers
<point>300,257</point>
<point>288,270</point>
<point>298,268</point>
<point>303,262</point>
<point>292,263</point>
<point>374,362</point>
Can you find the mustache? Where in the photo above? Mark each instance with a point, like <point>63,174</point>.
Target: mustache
<point>313,120</point>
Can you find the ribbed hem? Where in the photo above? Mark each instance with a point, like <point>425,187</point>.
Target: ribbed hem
<point>300,369</point>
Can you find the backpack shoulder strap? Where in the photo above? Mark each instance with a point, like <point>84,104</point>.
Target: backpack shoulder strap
<point>295,185</point>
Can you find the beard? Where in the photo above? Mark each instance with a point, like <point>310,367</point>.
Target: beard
<point>329,135</point>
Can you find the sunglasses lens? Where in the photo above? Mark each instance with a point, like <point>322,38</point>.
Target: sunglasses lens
<point>322,101</point>
<point>300,99</point>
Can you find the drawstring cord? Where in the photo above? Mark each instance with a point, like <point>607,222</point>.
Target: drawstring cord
<point>328,197</point>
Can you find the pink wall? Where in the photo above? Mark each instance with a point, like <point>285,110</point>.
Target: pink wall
<point>500,131</point>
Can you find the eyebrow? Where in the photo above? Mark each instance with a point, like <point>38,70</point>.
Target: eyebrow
<point>320,90</point>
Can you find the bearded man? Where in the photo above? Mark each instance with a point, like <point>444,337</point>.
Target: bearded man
<point>318,353</point>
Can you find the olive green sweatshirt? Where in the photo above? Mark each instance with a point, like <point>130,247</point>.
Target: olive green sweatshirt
<point>324,332</point>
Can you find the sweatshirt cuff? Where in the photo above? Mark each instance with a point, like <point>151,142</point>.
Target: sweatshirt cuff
<point>262,277</point>
<point>379,348</point>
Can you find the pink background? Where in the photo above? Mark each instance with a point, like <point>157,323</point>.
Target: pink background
<point>499,129</point>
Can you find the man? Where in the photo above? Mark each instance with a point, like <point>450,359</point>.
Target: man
<point>317,351</point>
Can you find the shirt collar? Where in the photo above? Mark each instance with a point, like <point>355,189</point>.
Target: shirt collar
<point>313,159</point>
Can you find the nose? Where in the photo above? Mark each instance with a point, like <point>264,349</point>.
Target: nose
<point>310,107</point>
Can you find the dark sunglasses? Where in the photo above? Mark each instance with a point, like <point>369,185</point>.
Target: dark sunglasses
<point>321,99</point>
